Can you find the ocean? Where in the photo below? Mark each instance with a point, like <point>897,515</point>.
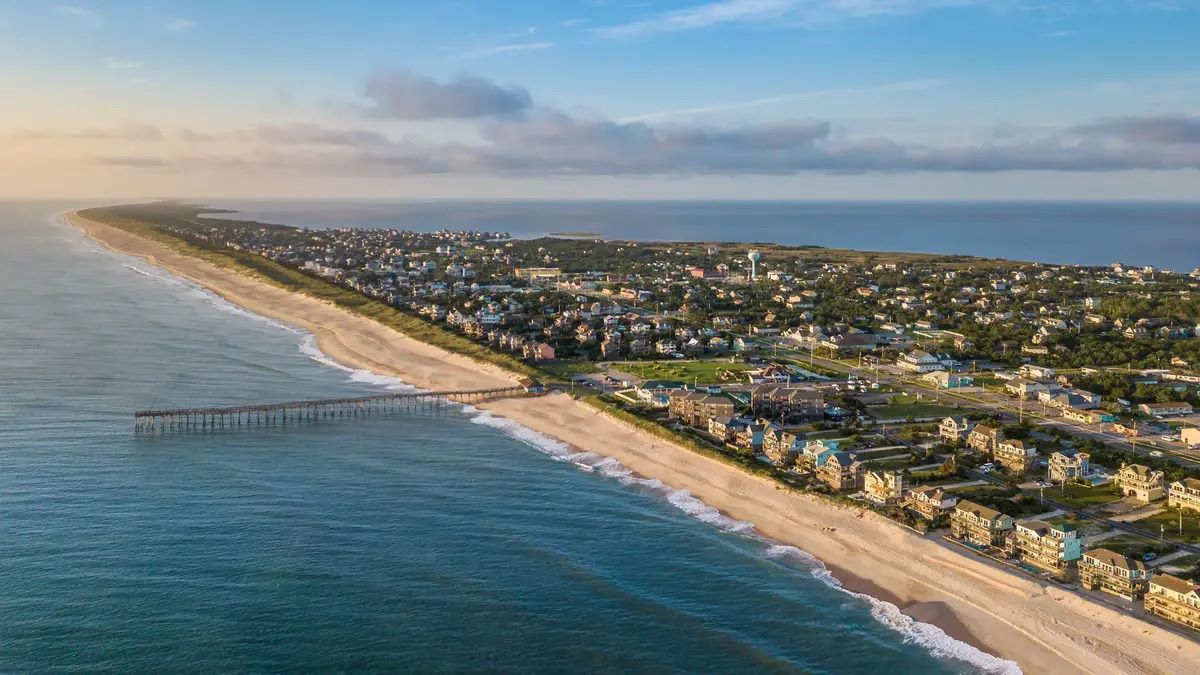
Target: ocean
<point>1165,235</point>
<point>441,543</point>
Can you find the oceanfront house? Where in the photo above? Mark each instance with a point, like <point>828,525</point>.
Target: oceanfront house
<point>931,503</point>
<point>1103,570</point>
<point>726,428</point>
<point>954,430</point>
<point>1165,409</point>
<point>1174,599</point>
<point>1045,546</point>
<point>1184,495</point>
<point>1088,416</point>
<point>1015,455</point>
<point>782,447</point>
<point>696,408</point>
<point>884,487</point>
<point>979,525</point>
<point>842,472</point>
<point>816,453</point>
<point>751,436</point>
<point>1068,465</point>
<point>984,438</point>
<point>945,380</point>
<point>1141,483</point>
<point>791,404</point>
<point>919,361</point>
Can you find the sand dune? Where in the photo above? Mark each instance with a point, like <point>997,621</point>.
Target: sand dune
<point>1041,627</point>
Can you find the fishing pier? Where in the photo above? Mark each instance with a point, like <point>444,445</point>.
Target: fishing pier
<point>295,412</point>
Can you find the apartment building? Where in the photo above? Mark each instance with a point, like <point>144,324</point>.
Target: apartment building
<point>979,525</point>
<point>1103,570</point>
<point>1048,547</point>
<point>788,403</point>
<point>1174,599</point>
<point>696,408</point>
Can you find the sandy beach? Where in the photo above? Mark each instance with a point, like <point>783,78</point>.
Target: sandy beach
<point>1043,628</point>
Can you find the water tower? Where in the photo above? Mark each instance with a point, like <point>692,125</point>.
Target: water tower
<point>754,257</point>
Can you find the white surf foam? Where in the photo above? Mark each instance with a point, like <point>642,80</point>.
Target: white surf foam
<point>928,636</point>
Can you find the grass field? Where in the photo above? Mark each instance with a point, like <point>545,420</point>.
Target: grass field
<point>1081,496</point>
<point>569,369</point>
<point>1169,521</point>
<point>902,411</point>
<point>1136,546</point>
<point>688,372</point>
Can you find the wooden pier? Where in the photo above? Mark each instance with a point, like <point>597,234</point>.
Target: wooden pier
<point>294,412</point>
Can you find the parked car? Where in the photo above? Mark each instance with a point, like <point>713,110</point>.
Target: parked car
<point>1156,453</point>
<point>1151,555</point>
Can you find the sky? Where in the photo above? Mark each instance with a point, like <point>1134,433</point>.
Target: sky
<point>607,99</point>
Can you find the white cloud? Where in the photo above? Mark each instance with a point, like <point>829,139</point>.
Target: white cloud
<point>178,24</point>
<point>120,64</point>
<point>81,14</point>
<point>512,48</point>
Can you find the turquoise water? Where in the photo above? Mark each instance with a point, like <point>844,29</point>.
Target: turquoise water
<point>452,543</point>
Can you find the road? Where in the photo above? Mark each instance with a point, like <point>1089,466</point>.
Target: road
<point>1117,525</point>
<point>998,405</point>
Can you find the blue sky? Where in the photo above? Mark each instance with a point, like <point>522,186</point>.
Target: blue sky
<point>751,99</point>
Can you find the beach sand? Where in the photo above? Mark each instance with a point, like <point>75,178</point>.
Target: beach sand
<point>1041,627</point>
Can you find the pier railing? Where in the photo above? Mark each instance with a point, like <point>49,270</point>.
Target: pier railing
<point>292,412</point>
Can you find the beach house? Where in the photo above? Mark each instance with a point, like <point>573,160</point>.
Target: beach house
<point>782,447</point>
<point>1103,570</point>
<point>1049,547</point>
<point>1015,455</point>
<point>954,430</point>
<point>884,487</point>
<point>929,502</point>
<point>816,453</point>
<point>1141,483</point>
<point>1174,599</point>
<point>841,471</point>
<point>1184,494</point>
<point>1068,465</point>
<point>984,438</point>
<point>979,525</point>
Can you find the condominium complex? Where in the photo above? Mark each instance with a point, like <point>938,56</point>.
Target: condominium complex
<point>979,525</point>
<point>1174,599</point>
<point>789,403</point>
<point>696,408</point>
<point>1184,494</point>
<point>1141,483</point>
<point>1112,572</point>
<point>1049,547</point>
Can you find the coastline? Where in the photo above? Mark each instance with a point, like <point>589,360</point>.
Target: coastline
<point>1046,629</point>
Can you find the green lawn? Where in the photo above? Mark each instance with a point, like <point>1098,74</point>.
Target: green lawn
<point>569,369</point>
<point>1129,544</point>
<point>901,411</point>
<point>1169,520</point>
<point>689,372</point>
<point>1080,496</point>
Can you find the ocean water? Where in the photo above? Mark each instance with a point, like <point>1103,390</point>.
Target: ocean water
<point>1086,233</point>
<point>450,543</point>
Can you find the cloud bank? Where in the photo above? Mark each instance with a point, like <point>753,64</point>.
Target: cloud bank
<point>402,94</point>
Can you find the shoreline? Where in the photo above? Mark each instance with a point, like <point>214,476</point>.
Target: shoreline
<point>1042,627</point>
